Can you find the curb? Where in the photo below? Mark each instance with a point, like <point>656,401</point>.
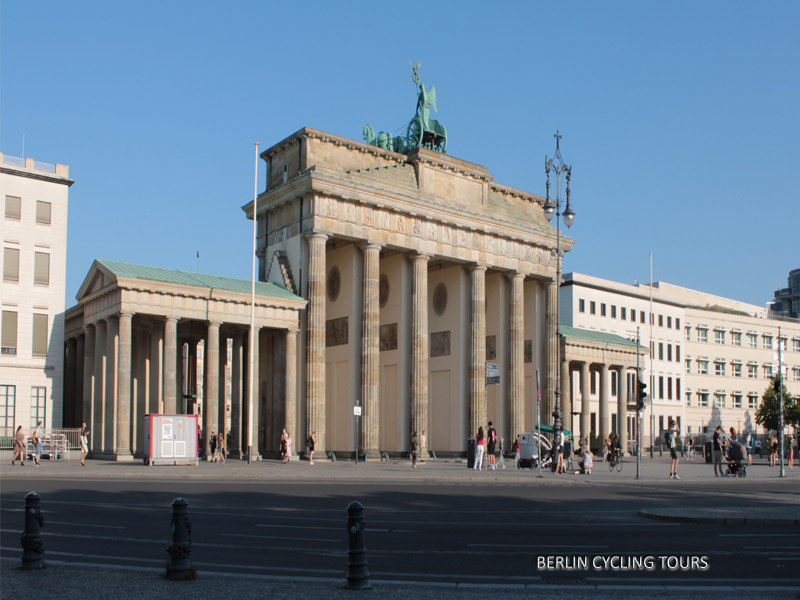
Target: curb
<point>718,520</point>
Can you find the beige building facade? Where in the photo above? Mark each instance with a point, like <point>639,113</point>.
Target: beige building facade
<point>33,229</point>
<point>418,270</point>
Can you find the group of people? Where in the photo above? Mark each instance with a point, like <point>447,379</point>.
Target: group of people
<point>489,445</point>
<point>217,444</point>
<point>21,445</point>
<point>419,445</point>
<point>286,447</point>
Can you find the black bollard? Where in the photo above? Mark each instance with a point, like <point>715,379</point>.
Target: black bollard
<point>357,575</point>
<point>31,538</point>
<point>180,565</point>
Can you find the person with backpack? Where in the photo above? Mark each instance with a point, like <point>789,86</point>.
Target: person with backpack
<point>414,449</point>
<point>718,446</point>
<point>671,436</point>
<point>491,441</point>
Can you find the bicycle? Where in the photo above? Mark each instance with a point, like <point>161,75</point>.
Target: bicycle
<point>616,461</point>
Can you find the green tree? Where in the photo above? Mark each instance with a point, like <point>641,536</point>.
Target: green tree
<point>769,411</point>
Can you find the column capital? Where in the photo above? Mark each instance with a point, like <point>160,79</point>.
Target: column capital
<point>317,235</point>
<point>478,267</point>
<point>174,319</point>
<point>512,275</point>
<point>87,326</point>
<point>371,245</point>
<point>420,256</point>
<point>215,323</point>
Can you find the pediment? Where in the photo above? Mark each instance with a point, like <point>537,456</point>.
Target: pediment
<point>98,278</point>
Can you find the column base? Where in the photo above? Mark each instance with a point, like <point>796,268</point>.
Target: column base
<point>123,457</point>
<point>371,456</point>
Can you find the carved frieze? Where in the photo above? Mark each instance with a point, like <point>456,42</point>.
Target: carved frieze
<point>528,352</point>
<point>388,337</point>
<point>491,347</point>
<point>336,332</point>
<point>440,344</point>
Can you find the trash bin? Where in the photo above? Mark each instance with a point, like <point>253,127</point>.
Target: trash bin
<point>471,453</point>
<point>708,450</point>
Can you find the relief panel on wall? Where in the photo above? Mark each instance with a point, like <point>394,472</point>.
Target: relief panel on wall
<point>336,332</point>
<point>388,337</point>
<point>528,351</point>
<point>440,344</point>
<point>491,347</point>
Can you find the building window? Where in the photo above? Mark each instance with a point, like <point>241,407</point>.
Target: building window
<point>752,401</point>
<point>669,322</point>
<point>752,371</point>
<point>767,371</point>
<point>8,344</point>
<point>582,305</point>
<point>703,399</point>
<point>592,308</point>
<point>677,388</point>
<point>641,316</point>
<point>661,422</point>
<point>677,323</point>
<point>602,310</point>
<point>736,370</point>
<point>41,268</point>
<point>719,337</point>
<point>752,340</point>
<point>623,313</point>
<point>688,366</point>
<point>767,342</point>
<point>719,400</point>
<point>677,353</point>
<point>719,369</point>
<point>42,212</point>
<point>613,312</point>
<point>633,315</point>
<point>613,383</point>
<point>661,387</point>
<point>592,383</point>
<point>687,333</point>
<point>660,320</point>
<point>796,345</point>
<point>38,400</point>
<point>8,396</point>
<point>11,264</point>
<point>688,398</point>
<point>702,335</point>
<point>669,388</point>
<point>660,351</point>
<point>702,367</point>
<point>669,352</point>
<point>13,207</point>
<point>783,343</point>
<point>40,335</point>
<point>796,373</point>
<point>736,339</point>
<point>736,400</point>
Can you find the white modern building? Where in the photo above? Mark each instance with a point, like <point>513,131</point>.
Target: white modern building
<point>34,235</point>
<point>712,357</point>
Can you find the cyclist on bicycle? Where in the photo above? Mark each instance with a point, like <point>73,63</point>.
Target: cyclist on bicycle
<point>616,449</point>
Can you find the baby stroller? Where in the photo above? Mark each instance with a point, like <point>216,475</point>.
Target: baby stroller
<point>737,456</point>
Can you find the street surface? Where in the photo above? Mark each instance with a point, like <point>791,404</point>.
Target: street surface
<point>441,523</point>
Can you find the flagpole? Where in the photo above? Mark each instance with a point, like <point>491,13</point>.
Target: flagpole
<point>253,386</point>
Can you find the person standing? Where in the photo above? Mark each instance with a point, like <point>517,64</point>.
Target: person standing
<point>749,443</point>
<point>228,440</point>
<point>414,450</point>
<point>37,443</point>
<point>672,436</point>
<point>221,447</point>
<point>478,449</point>
<point>773,450</point>
<point>212,442</point>
<point>515,449</point>
<point>84,443</point>
<point>491,443</point>
<point>312,439</point>
<point>717,445</point>
<point>502,459</point>
<point>288,447</point>
<point>423,446</point>
<point>790,453</point>
<point>559,450</point>
<point>19,446</point>
<point>283,446</point>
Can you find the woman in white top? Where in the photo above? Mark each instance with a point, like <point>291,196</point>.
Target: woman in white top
<point>288,447</point>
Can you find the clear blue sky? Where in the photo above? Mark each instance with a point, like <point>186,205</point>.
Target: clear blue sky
<point>681,120</point>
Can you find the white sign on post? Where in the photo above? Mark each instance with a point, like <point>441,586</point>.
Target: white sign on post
<point>357,411</point>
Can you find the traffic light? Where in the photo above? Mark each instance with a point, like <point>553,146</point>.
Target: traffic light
<point>776,385</point>
<point>641,395</point>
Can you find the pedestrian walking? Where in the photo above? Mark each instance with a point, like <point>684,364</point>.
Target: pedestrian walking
<point>414,450</point>
<point>690,448</point>
<point>228,440</point>
<point>84,443</point>
<point>283,446</point>
<point>515,448</point>
<point>423,446</point>
<point>212,442</point>
<point>221,447</point>
<point>19,446</point>
<point>773,457</point>
<point>502,460</point>
<point>491,444</point>
<point>717,445</point>
<point>672,435</point>
<point>288,447</point>
<point>558,448</point>
<point>478,449</point>
<point>312,439</point>
<point>37,443</point>
<point>790,441</point>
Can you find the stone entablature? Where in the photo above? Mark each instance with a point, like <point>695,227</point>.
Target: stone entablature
<point>601,353</point>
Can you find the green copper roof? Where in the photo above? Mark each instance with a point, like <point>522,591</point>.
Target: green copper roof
<point>596,336</point>
<point>129,270</point>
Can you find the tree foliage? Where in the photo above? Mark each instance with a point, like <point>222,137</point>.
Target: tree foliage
<point>768,412</point>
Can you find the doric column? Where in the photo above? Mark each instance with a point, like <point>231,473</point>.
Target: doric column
<point>585,402</point>
<point>315,362</point>
<point>603,419</point>
<point>99,386</point>
<point>566,395</point>
<point>552,351</point>
<point>70,377</point>
<point>156,375</point>
<point>88,377</point>
<point>80,355</point>
<point>622,406</point>
<point>110,421</point>
<point>211,390</point>
<point>170,366</point>
<point>236,396</point>
<point>291,389</point>
<point>370,362</point>
<point>477,391</point>
<point>419,345</point>
<point>252,395</point>
<point>190,385</point>
<point>516,404</point>
<point>123,408</point>
<point>223,386</point>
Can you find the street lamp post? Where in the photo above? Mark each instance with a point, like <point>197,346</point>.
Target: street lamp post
<point>554,209</point>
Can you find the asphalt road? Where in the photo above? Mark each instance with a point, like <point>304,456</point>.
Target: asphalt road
<point>490,532</point>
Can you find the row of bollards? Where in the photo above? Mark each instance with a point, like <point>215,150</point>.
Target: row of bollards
<point>180,566</point>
